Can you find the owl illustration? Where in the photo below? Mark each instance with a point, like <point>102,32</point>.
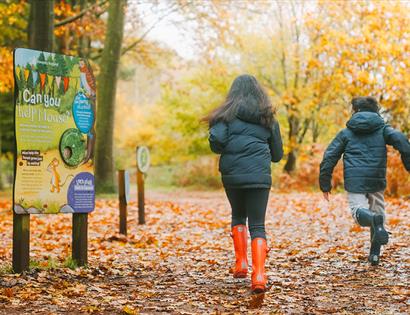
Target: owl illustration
<point>87,78</point>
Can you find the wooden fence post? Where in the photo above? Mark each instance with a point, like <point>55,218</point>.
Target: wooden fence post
<point>122,201</point>
<point>141,197</point>
<point>21,242</point>
<point>80,238</point>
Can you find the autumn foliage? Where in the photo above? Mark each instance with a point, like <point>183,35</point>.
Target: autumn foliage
<point>311,58</point>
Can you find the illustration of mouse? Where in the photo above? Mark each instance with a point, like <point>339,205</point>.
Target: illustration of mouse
<point>55,176</point>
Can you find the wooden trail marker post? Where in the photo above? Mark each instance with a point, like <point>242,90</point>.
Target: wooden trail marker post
<point>123,197</point>
<point>143,164</point>
<point>54,171</point>
<point>141,197</point>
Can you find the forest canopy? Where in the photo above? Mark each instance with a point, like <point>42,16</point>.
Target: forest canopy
<point>312,58</point>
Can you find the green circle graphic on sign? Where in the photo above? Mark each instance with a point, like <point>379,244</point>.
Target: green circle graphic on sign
<point>72,147</point>
<point>143,159</point>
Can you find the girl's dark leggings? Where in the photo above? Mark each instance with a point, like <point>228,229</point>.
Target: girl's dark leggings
<point>249,203</point>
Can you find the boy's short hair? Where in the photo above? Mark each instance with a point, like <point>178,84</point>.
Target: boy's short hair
<point>365,104</point>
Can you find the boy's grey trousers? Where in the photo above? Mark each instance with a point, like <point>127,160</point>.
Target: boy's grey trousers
<point>372,201</point>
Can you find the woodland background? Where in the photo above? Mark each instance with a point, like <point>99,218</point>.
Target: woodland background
<point>161,65</point>
<point>311,56</point>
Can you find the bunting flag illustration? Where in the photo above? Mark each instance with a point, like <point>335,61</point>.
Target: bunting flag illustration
<point>66,81</point>
<point>35,77</point>
<point>50,81</point>
<point>26,74</point>
<point>58,80</point>
<point>43,77</point>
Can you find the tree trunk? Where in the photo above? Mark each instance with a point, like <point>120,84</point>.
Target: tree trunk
<point>290,165</point>
<point>107,82</point>
<point>315,131</point>
<point>41,25</point>
<point>294,126</point>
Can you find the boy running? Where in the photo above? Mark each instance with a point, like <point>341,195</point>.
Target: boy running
<point>363,146</point>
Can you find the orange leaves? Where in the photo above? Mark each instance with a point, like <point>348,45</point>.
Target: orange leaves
<point>179,261</point>
<point>356,228</point>
<point>256,301</point>
<point>12,30</point>
<point>6,70</point>
<point>8,292</point>
<point>393,222</point>
<point>398,179</point>
<point>363,77</point>
<point>129,310</point>
<point>88,25</point>
<point>5,204</point>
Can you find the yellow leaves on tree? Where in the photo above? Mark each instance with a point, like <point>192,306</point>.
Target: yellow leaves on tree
<point>12,31</point>
<point>370,45</point>
<point>6,70</point>
<point>74,37</point>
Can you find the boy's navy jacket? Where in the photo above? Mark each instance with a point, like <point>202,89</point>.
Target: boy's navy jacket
<point>363,145</point>
<point>247,149</point>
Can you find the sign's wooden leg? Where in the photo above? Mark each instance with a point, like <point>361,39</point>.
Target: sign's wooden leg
<point>122,201</point>
<point>80,238</point>
<point>21,242</point>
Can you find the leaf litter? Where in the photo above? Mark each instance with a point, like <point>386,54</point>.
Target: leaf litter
<point>180,261</point>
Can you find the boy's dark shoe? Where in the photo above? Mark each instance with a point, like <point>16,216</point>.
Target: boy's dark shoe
<point>374,256</point>
<point>380,236</point>
<point>367,218</point>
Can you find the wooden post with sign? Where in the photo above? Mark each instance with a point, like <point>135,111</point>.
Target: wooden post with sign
<point>21,242</point>
<point>143,163</point>
<point>58,164</point>
<point>122,198</point>
<point>80,238</point>
<point>41,36</point>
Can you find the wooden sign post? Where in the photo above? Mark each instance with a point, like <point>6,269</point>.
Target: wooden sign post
<point>80,238</point>
<point>54,171</point>
<point>123,198</point>
<point>143,164</point>
<point>21,242</point>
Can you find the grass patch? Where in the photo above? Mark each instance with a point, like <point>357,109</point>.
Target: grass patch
<point>38,265</point>
<point>34,264</point>
<point>48,264</point>
<point>70,263</point>
<point>6,269</point>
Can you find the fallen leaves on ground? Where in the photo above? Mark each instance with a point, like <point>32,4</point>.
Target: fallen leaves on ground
<point>179,262</point>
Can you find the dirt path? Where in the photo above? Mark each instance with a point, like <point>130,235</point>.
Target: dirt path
<point>179,262</point>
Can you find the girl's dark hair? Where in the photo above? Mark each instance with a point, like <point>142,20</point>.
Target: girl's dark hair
<point>245,91</point>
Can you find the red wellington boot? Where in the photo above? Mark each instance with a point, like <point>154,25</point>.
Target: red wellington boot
<point>240,242</point>
<point>259,251</point>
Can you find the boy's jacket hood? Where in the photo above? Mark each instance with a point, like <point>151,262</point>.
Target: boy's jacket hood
<point>365,122</point>
<point>249,113</point>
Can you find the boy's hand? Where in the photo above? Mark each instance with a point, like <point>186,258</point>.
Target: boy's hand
<point>326,195</point>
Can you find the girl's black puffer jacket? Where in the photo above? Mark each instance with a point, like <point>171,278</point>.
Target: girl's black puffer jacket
<point>247,149</point>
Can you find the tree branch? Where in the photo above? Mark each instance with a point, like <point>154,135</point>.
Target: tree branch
<point>271,84</point>
<point>149,29</point>
<point>306,124</point>
<point>79,15</point>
